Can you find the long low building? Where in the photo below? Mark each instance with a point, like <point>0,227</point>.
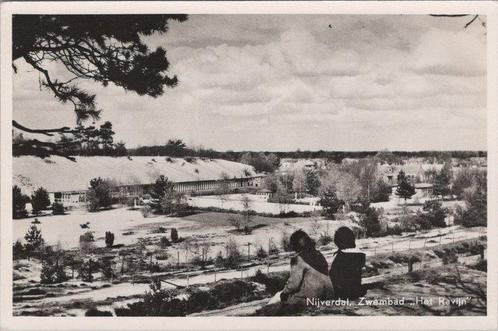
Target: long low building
<point>67,182</point>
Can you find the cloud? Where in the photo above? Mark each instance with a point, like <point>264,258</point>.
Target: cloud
<point>449,52</point>
<point>262,81</point>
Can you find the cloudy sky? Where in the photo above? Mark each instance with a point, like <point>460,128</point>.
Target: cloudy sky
<point>283,82</point>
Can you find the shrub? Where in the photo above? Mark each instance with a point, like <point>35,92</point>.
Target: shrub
<point>261,253</point>
<point>273,250</point>
<point>40,200</point>
<point>96,312</point>
<point>86,241</point>
<point>52,272</point>
<point>161,229</point>
<point>396,230</point>
<point>174,235</point>
<point>219,261</point>
<point>109,239</point>
<point>105,265</point>
<point>273,283</point>
<point>325,239</point>
<point>57,208</point>
<point>164,242</point>
<point>449,256</point>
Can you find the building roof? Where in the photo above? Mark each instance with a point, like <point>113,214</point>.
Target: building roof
<point>60,174</point>
<point>423,185</point>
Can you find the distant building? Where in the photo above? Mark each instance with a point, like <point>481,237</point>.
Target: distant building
<point>290,165</point>
<point>68,182</point>
<point>415,172</point>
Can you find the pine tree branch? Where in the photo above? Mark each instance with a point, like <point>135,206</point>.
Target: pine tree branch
<point>47,132</point>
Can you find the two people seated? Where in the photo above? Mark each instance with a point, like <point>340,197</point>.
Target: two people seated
<point>310,276</point>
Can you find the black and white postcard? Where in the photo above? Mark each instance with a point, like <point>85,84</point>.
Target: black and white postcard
<point>244,165</point>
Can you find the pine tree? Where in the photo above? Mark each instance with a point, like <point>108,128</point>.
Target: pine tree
<point>405,190</point>
<point>34,239</point>
<point>330,202</point>
<point>19,201</point>
<point>40,200</point>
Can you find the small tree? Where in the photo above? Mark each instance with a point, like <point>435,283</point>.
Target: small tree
<point>247,214</point>
<point>370,222</point>
<point>233,254</point>
<point>109,239</point>
<point>475,212</point>
<point>18,251</point>
<point>405,190</point>
<point>299,182</point>
<point>40,200</point>
<point>86,271</point>
<point>19,201</point>
<point>330,202</point>
<point>312,182</point>
<point>34,240</point>
<point>435,214</point>
<point>442,181</point>
<point>99,194</point>
<point>174,235</point>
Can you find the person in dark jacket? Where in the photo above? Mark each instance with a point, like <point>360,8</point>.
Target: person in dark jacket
<point>345,269</point>
<point>308,273</point>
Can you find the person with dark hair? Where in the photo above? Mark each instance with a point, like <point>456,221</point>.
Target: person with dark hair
<point>308,275</point>
<point>345,269</point>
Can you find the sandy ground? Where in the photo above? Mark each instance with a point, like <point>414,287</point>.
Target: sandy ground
<point>258,204</point>
<point>66,229</point>
<point>121,293</point>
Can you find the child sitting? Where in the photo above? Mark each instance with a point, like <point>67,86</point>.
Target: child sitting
<point>345,269</point>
